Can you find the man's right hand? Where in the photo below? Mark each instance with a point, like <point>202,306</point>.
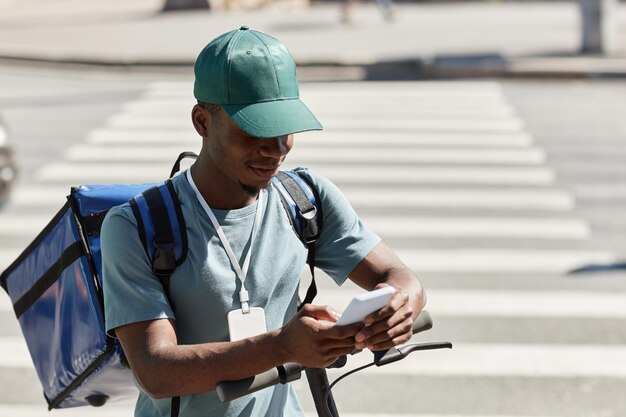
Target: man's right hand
<point>312,340</point>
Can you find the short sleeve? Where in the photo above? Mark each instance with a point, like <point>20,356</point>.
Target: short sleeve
<point>344,241</point>
<point>132,293</point>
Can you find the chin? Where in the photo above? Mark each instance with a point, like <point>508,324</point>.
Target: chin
<point>253,190</point>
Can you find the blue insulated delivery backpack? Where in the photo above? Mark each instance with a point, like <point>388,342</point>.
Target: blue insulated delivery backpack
<point>55,285</point>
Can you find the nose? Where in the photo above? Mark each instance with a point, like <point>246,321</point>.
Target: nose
<point>276,147</point>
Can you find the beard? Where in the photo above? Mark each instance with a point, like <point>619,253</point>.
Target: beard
<point>251,190</point>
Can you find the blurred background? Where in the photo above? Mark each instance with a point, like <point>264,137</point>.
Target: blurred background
<point>484,140</point>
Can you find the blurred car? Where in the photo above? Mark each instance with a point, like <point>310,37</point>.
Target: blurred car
<point>7,164</point>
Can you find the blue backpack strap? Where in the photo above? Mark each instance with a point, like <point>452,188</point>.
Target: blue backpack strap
<point>301,202</point>
<point>161,228</point>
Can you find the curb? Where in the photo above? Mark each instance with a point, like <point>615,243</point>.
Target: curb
<point>473,66</point>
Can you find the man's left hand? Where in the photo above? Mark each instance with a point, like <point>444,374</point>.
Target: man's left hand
<point>388,327</point>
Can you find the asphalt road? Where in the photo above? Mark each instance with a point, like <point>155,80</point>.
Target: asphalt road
<point>506,197</point>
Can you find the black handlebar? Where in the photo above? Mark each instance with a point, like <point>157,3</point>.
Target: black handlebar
<point>422,322</point>
<point>230,390</point>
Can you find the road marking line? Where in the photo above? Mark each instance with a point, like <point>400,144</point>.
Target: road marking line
<point>492,198</point>
<point>410,93</point>
<point>358,174</point>
<point>524,303</point>
<point>510,199</point>
<point>181,109</point>
<point>110,136</point>
<point>8,256</point>
<point>53,196</point>
<point>118,410</point>
<point>29,225</point>
<point>530,156</point>
<point>478,227</point>
<point>501,260</point>
<point>182,87</point>
<point>488,303</point>
<point>600,191</point>
<point>112,409</point>
<point>388,124</point>
<point>334,139</point>
<point>492,360</point>
<point>311,414</point>
<point>14,353</point>
<point>107,173</point>
<point>133,137</point>
<point>391,124</point>
<point>510,304</point>
<point>508,360</point>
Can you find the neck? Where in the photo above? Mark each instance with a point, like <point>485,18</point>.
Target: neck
<point>218,192</point>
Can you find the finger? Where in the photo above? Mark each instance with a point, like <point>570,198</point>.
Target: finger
<point>385,330</point>
<point>391,343</point>
<point>329,352</point>
<point>326,351</point>
<point>397,301</point>
<point>320,312</point>
<point>345,332</point>
<point>403,330</point>
<point>336,353</point>
<point>385,323</point>
<point>318,325</point>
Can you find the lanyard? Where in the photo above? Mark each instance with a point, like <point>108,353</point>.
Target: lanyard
<point>240,271</point>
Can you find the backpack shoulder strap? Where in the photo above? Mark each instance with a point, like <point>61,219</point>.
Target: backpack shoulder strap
<point>301,202</point>
<point>161,228</point>
<point>162,231</point>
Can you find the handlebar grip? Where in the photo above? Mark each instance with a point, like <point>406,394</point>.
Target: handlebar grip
<point>230,390</point>
<point>422,322</point>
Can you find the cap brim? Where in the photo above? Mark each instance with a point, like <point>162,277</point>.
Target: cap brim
<point>273,118</point>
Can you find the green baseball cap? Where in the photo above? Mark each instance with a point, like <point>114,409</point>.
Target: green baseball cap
<point>253,77</point>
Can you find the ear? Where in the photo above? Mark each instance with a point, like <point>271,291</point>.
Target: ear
<point>201,120</point>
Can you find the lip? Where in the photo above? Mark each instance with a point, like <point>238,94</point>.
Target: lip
<point>267,173</point>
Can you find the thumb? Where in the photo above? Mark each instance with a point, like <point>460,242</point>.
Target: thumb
<point>320,312</point>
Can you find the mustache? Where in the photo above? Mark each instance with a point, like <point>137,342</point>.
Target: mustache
<point>267,163</point>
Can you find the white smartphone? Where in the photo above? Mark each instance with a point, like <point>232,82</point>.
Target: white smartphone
<point>364,304</point>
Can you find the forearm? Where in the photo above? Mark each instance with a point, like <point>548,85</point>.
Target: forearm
<point>165,369</point>
<point>404,279</point>
<point>383,266</point>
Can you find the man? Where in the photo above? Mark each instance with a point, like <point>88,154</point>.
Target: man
<point>244,260</point>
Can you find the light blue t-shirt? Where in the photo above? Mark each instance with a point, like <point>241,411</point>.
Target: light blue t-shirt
<point>204,288</point>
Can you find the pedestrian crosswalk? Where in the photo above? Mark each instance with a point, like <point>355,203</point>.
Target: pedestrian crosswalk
<point>449,174</point>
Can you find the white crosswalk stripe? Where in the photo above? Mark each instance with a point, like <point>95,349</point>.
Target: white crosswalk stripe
<point>168,106</point>
<point>388,123</point>
<point>76,172</point>
<point>118,411</point>
<point>507,303</point>
<point>331,155</point>
<point>445,169</point>
<point>502,260</point>
<point>485,303</point>
<point>131,137</point>
<point>403,226</point>
<point>464,359</point>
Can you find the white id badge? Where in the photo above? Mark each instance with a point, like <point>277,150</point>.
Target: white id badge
<point>250,324</point>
